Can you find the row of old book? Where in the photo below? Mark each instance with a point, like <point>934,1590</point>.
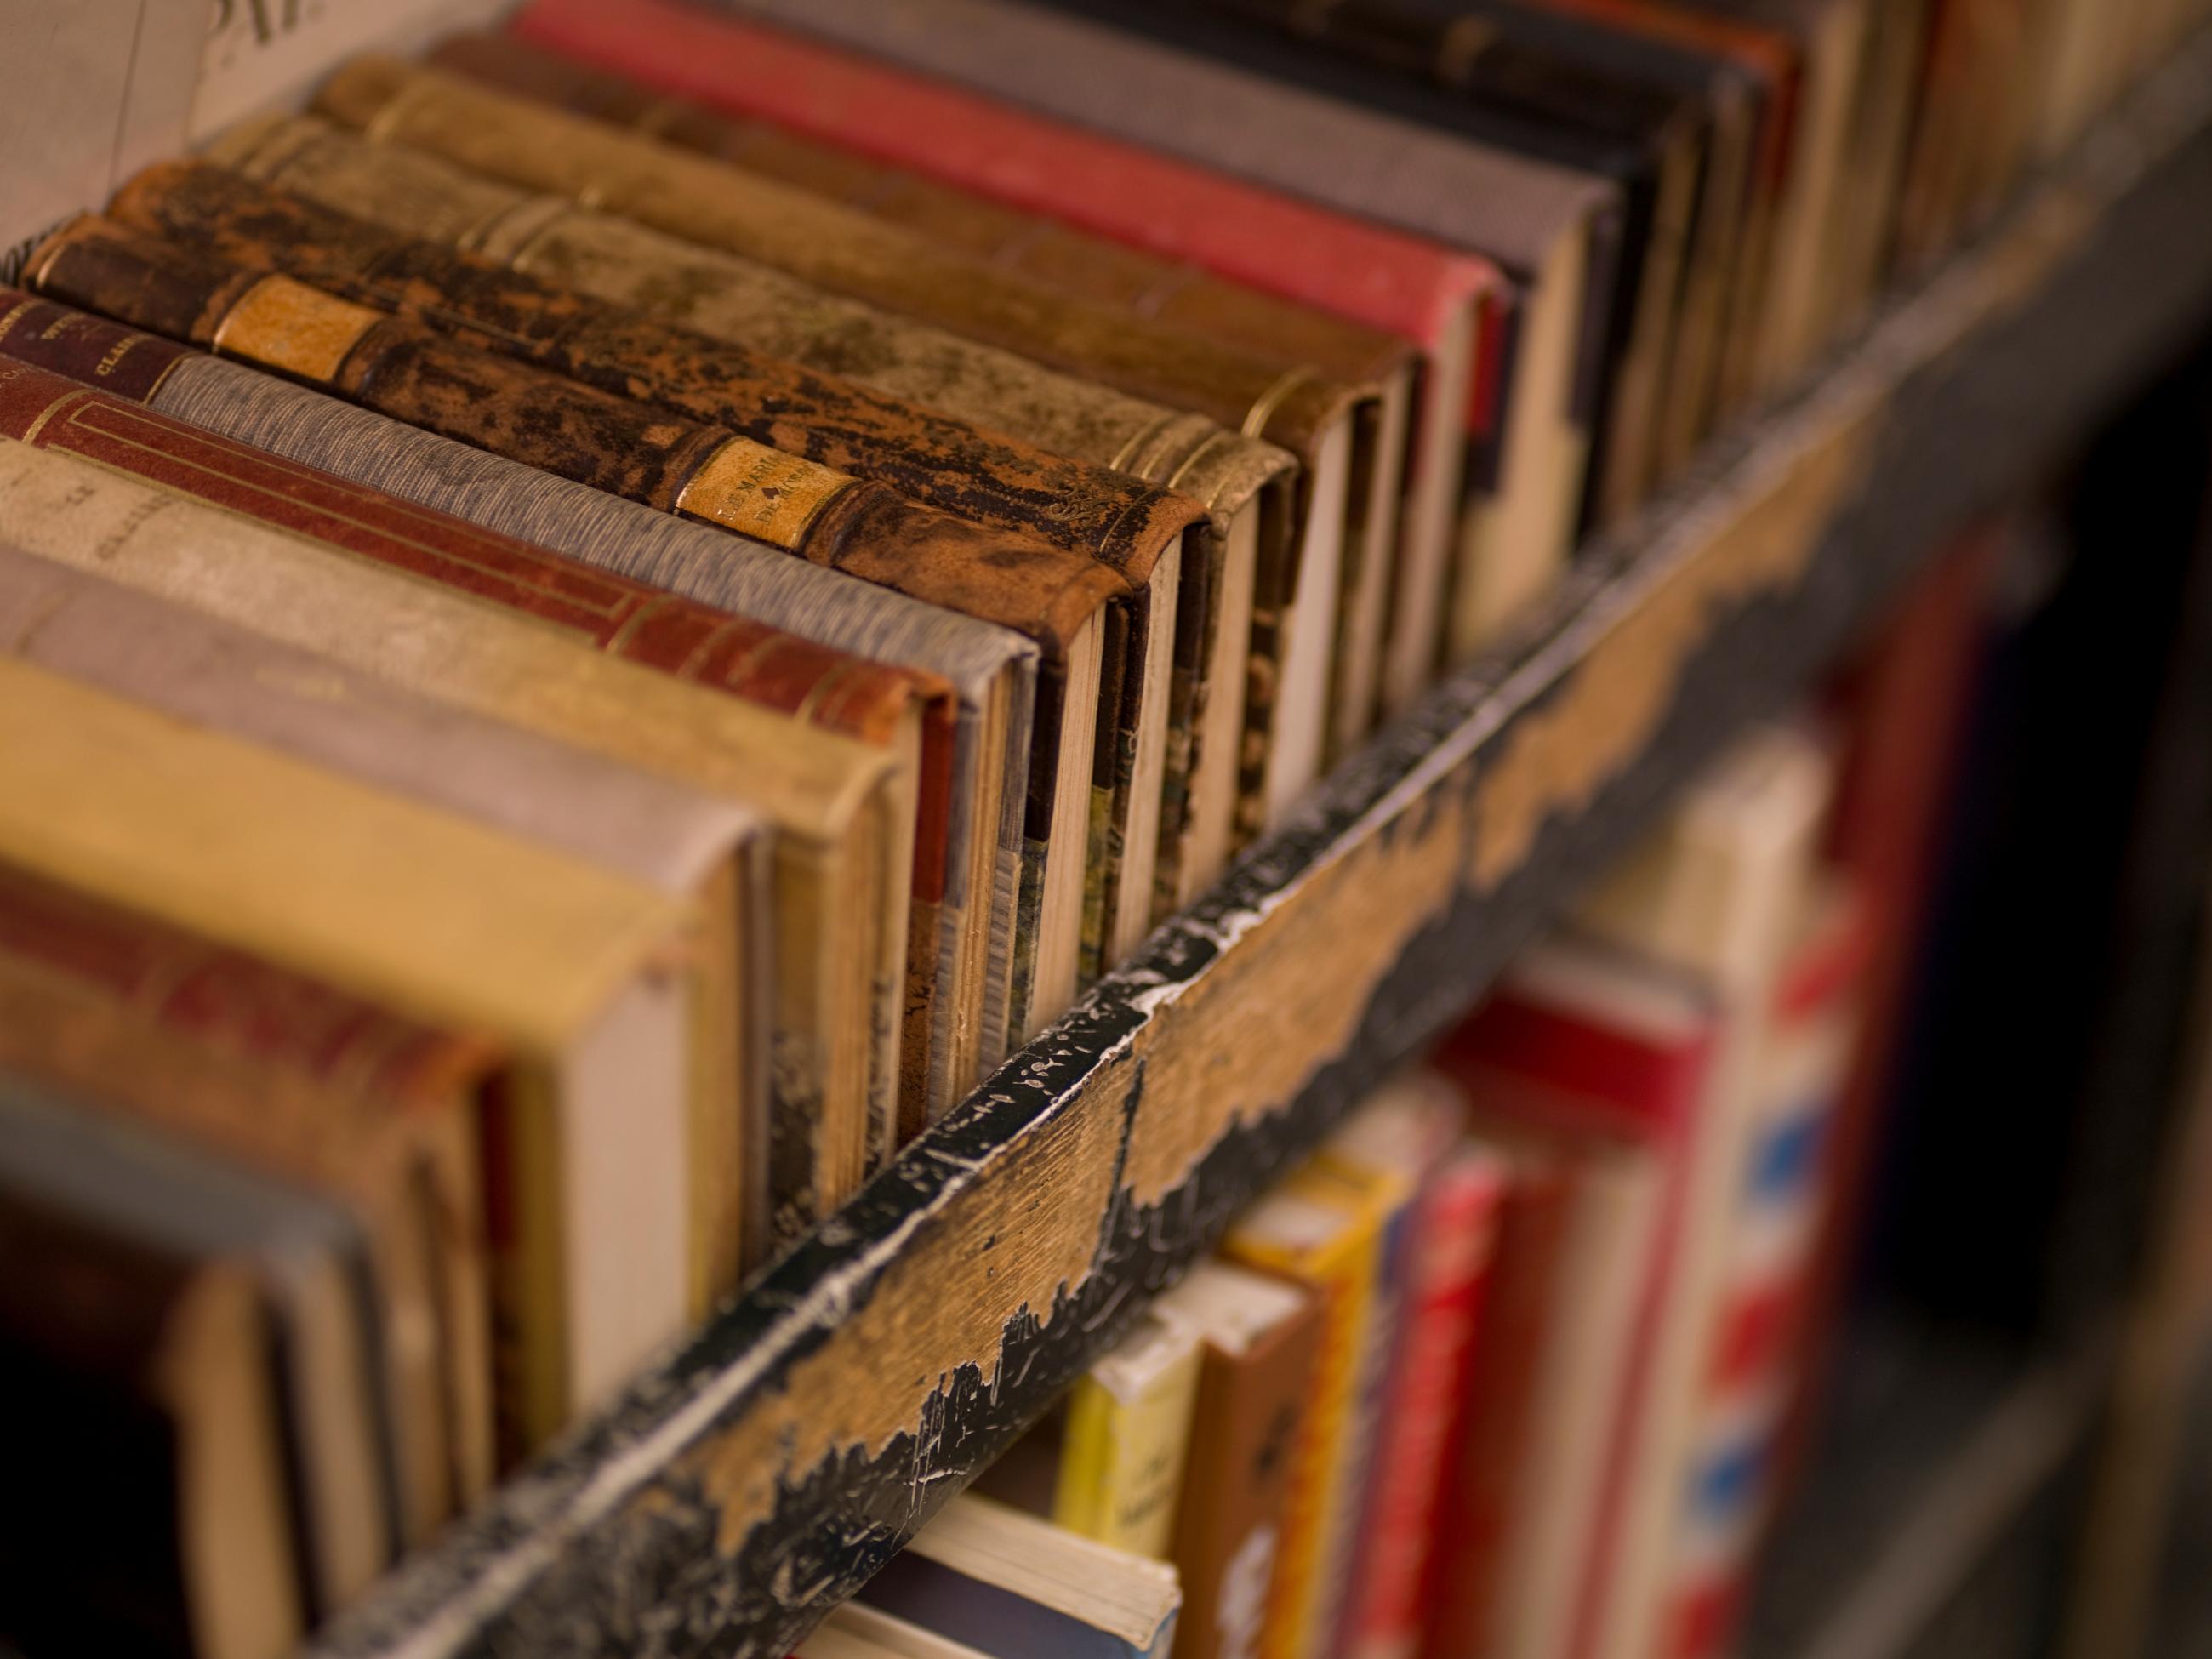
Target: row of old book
<point>599,626</point>
<point>1504,1370</point>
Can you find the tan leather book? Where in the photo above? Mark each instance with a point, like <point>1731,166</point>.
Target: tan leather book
<point>1245,483</point>
<point>401,367</point>
<point>709,650</point>
<point>827,796</point>
<point>572,970</point>
<point>818,242</point>
<point>1545,226</point>
<point>286,1075</point>
<point>709,854</point>
<point>976,733</point>
<point>1093,268</point>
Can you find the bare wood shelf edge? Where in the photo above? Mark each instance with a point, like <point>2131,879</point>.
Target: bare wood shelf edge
<point>762,1472</point>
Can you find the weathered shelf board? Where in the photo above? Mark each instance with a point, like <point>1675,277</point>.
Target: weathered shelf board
<point>763,1471</point>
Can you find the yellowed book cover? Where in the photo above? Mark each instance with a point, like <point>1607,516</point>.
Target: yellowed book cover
<point>572,970</point>
<point>1321,1228</point>
<point>1123,1450</point>
<point>843,829</point>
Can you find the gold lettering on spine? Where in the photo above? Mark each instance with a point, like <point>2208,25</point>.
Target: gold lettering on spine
<point>288,325</point>
<point>762,492</point>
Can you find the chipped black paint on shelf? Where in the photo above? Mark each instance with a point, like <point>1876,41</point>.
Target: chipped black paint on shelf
<point>568,1561</point>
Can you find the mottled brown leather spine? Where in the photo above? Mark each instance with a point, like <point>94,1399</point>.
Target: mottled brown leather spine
<point>825,243</point>
<point>938,460</point>
<point>1092,267</point>
<point>403,369</point>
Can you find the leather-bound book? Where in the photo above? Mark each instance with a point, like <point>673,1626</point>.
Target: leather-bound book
<point>402,367</point>
<point>712,648</point>
<point>991,674</point>
<point>289,1076</point>
<point>712,854</point>
<point>1143,285</point>
<point>835,802</point>
<point>566,967</point>
<point>155,1298</point>
<point>690,196</point>
<point>1693,128</point>
<point>1549,228</point>
<point>1812,48</point>
<point>1507,98</point>
<point>1247,483</point>
<point>1191,218</point>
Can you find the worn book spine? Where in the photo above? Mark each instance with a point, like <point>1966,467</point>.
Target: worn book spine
<point>47,412</point>
<point>403,369</point>
<point>1190,218</point>
<point>1377,366</point>
<point>985,476</point>
<point>1248,485</point>
<point>667,555</point>
<point>1047,249</point>
<point>400,368</point>
<point>661,186</point>
<point>290,1074</point>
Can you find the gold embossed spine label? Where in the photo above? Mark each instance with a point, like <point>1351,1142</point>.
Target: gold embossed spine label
<point>287,325</point>
<point>762,492</point>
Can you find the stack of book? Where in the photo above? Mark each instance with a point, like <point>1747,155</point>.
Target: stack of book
<point>600,623</point>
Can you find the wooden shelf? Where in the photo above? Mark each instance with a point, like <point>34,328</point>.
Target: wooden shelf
<point>762,1472</point>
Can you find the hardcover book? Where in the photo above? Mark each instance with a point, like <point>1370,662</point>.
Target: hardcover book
<point>1008,1584</point>
<point>1259,1338</point>
<point>828,804</point>
<point>1106,1464</point>
<point>1759,1335</point>
<point>1594,1060</point>
<point>1188,218</point>
<point>1449,1278</point>
<point>1549,228</point>
<point>1245,483</point>
<point>710,855</point>
<point>978,681</point>
<point>525,143</point>
<point>1714,893</point>
<point>1321,1228</point>
<point>286,1075</point>
<point>858,1086</point>
<point>436,918</point>
<point>1381,367</point>
<point>402,368</point>
<point>1506,99</point>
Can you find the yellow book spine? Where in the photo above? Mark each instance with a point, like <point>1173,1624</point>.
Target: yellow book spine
<point>1121,1458</point>
<point>1338,1268</point>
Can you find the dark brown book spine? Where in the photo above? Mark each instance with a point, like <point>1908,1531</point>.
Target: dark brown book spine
<point>1092,267</point>
<point>940,461</point>
<point>400,368</point>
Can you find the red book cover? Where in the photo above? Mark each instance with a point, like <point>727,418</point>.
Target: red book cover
<point>1454,1251</point>
<point>1578,1044</point>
